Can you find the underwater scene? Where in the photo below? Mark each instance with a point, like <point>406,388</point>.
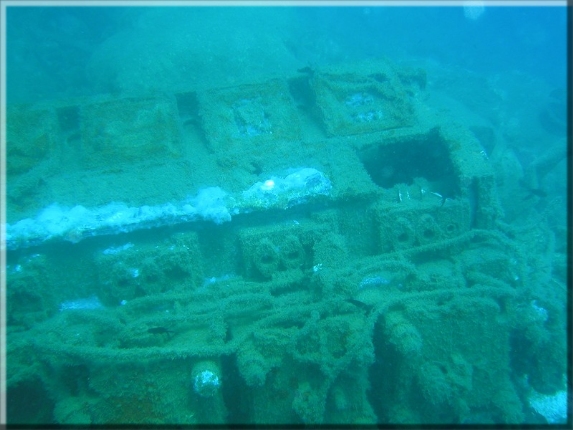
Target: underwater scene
<point>286,215</point>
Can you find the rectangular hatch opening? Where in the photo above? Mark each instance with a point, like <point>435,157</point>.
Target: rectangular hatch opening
<point>406,160</point>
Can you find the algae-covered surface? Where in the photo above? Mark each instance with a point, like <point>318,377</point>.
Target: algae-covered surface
<point>257,215</point>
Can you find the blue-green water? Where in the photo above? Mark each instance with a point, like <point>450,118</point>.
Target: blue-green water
<point>286,215</point>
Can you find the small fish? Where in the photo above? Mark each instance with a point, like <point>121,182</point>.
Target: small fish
<point>306,70</point>
<point>160,330</point>
<point>360,304</point>
<point>373,282</point>
<point>442,198</point>
<point>89,303</point>
<point>532,192</point>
